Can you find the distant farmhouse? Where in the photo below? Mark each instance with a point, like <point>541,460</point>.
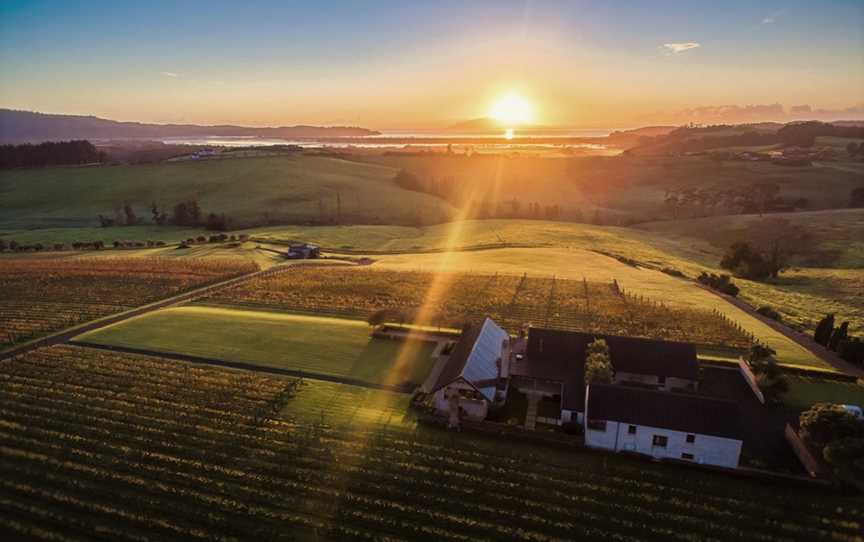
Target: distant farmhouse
<point>650,408</point>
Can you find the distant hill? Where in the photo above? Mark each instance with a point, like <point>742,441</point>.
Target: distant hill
<point>487,124</point>
<point>27,126</point>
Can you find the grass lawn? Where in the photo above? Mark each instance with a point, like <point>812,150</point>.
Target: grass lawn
<point>805,392</point>
<point>321,345</point>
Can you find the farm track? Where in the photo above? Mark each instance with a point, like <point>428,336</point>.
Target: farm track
<point>829,357</point>
<point>297,373</point>
<point>65,335</point>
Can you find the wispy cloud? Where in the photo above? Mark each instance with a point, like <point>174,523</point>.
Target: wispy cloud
<point>681,47</point>
<point>771,19</point>
<point>169,74</point>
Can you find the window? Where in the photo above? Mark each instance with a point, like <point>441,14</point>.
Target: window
<point>688,457</point>
<point>631,430</point>
<point>597,425</point>
<point>660,441</point>
<point>691,439</point>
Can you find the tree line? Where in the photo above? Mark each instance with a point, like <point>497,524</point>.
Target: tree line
<point>50,153</point>
<point>185,213</point>
<point>837,339</point>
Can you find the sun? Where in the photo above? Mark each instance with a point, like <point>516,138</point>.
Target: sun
<point>512,110</point>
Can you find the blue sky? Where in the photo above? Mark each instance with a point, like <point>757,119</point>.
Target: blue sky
<point>424,63</point>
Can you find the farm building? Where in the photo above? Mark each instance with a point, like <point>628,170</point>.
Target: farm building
<point>663,425</point>
<point>303,251</point>
<point>553,369</point>
<point>663,364</point>
<point>473,379</point>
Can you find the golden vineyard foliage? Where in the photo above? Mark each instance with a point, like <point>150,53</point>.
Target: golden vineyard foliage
<point>96,444</point>
<point>44,295</point>
<point>456,298</point>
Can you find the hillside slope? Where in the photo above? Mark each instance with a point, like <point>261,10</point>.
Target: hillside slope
<point>249,191</point>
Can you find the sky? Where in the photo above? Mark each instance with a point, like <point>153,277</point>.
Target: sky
<point>419,64</point>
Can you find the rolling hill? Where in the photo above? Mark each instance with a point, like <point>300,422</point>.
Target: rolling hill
<point>28,126</point>
<point>250,191</point>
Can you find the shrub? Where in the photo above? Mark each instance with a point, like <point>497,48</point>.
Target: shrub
<point>824,423</point>
<point>824,330</point>
<point>721,283</point>
<point>572,428</point>
<point>673,272</point>
<point>769,312</point>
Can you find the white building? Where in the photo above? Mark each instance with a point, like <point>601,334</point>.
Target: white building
<point>663,425</point>
<point>473,378</point>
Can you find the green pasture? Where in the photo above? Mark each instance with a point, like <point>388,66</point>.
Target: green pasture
<point>249,190</point>
<point>804,392</point>
<point>320,345</point>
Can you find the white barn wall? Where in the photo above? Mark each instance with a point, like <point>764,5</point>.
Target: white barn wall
<point>707,449</point>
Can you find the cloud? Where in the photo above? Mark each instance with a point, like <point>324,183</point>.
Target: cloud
<point>771,19</point>
<point>169,74</point>
<point>681,47</point>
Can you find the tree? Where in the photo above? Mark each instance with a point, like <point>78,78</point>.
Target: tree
<point>839,334</point>
<point>217,222</point>
<point>744,262</point>
<point>3,245</point>
<point>777,240</point>
<point>598,367</point>
<point>824,330</point>
<point>194,212</point>
<point>852,148</point>
<point>846,457</point>
<point>856,197</point>
<point>824,423</point>
<point>769,376</point>
<point>181,214</point>
<point>129,213</point>
<point>338,207</point>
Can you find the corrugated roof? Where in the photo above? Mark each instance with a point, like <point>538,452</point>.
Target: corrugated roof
<point>475,358</point>
<point>667,410</point>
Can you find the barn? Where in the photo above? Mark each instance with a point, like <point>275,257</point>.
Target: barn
<point>473,377</point>
<point>663,425</point>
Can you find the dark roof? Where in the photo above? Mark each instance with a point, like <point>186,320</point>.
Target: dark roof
<point>458,356</point>
<point>676,411</point>
<point>653,357</point>
<point>560,356</point>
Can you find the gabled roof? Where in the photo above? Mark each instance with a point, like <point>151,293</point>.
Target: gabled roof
<point>559,356</point>
<point>475,358</point>
<point>653,357</point>
<point>676,411</point>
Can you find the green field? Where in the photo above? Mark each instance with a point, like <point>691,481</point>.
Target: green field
<point>248,190</point>
<point>804,392</point>
<point>838,236</point>
<point>318,345</point>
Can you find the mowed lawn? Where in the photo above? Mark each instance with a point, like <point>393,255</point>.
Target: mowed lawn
<point>804,392</point>
<point>329,346</point>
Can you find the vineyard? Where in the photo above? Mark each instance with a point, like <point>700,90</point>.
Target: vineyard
<point>97,445</point>
<point>450,299</point>
<point>45,295</point>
